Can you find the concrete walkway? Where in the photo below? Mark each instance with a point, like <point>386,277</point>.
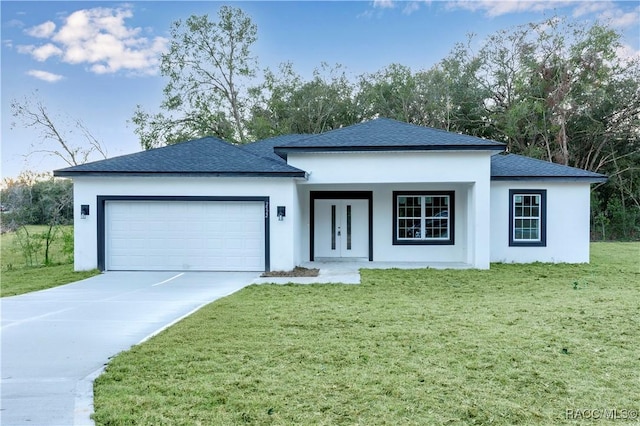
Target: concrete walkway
<point>348,271</point>
<point>56,341</point>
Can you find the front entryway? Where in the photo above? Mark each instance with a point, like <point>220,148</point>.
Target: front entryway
<point>341,228</point>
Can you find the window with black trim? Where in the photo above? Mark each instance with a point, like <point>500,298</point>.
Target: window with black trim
<point>425,217</point>
<point>528,217</point>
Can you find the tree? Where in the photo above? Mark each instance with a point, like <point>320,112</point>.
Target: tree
<point>40,199</point>
<point>288,104</point>
<point>556,90</point>
<point>57,133</point>
<point>209,66</point>
<point>37,199</point>
<point>391,92</point>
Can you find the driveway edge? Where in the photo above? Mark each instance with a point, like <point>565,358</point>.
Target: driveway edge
<point>83,406</point>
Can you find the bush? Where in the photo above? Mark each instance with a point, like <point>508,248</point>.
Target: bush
<point>67,244</point>
<point>29,245</point>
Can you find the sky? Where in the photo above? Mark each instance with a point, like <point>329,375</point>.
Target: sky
<point>96,61</point>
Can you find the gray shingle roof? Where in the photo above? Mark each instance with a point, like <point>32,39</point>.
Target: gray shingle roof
<point>517,167</point>
<point>206,156</point>
<point>384,134</point>
<point>214,157</point>
<point>264,147</point>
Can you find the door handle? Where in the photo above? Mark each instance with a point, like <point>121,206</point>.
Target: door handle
<point>338,233</point>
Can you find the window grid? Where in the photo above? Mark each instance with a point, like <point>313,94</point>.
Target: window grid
<point>409,217</point>
<point>423,217</point>
<point>526,217</point>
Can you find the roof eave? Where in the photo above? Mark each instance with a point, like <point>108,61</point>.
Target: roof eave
<point>283,151</point>
<point>585,179</point>
<point>72,174</point>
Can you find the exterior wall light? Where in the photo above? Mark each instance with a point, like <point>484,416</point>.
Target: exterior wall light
<point>281,213</point>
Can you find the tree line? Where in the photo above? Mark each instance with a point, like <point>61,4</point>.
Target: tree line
<point>38,199</point>
<point>554,90</point>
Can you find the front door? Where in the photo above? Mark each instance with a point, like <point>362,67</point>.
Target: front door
<point>341,228</point>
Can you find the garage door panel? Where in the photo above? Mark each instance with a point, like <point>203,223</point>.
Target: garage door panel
<point>253,243</point>
<point>214,243</point>
<point>120,225</point>
<point>184,235</point>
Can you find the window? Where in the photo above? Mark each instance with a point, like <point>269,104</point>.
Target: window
<point>527,217</point>
<point>423,217</point>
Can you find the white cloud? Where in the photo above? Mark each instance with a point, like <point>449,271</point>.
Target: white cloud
<point>589,7</point>
<point>617,18</point>
<point>605,10</point>
<point>609,12</point>
<point>384,4</point>
<point>42,31</point>
<point>45,76</point>
<point>25,48</point>
<point>411,7</point>
<point>627,53</point>
<point>408,7</point>
<point>494,8</point>
<point>100,38</point>
<point>44,52</point>
<point>14,23</point>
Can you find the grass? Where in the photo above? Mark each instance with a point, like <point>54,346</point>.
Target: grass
<point>13,257</point>
<point>25,280</point>
<point>519,344</point>
<point>16,277</point>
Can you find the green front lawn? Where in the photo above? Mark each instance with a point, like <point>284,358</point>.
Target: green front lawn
<point>519,344</point>
<point>25,280</point>
<point>19,274</point>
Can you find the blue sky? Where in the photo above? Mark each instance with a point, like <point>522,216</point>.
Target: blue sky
<point>95,61</point>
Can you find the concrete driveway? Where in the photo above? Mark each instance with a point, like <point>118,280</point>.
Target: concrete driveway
<point>56,341</point>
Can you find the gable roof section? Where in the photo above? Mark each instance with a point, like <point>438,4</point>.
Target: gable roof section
<point>384,134</point>
<point>206,156</point>
<point>517,167</point>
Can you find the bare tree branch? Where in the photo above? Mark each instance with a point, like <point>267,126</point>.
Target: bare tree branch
<point>53,133</point>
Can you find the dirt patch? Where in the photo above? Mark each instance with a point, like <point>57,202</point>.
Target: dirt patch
<point>298,271</point>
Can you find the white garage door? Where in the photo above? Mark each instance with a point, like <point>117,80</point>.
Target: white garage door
<point>184,235</point>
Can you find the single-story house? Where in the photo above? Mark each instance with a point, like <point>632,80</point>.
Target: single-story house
<point>381,190</point>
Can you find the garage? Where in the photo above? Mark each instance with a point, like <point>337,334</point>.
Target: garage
<point>184,234</point>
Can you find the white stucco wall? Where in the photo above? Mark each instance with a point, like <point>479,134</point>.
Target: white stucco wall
<point>280,190</point>
<point>568,216</point>
<point>466,173</point>
<point>393,167</point>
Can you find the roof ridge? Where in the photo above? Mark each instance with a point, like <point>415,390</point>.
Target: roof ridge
<point>436,129</point>
<point>313,135</point>
<point>383,132</point>
<point>201,139</point>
